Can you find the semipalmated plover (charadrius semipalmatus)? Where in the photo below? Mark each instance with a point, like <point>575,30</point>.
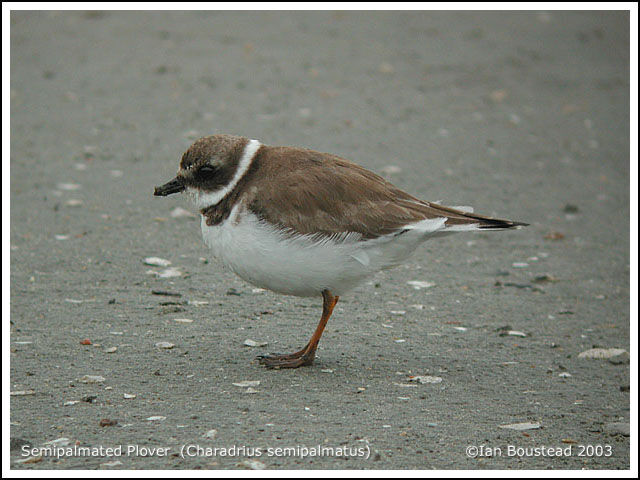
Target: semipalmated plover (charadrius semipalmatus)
<point>306,223</point>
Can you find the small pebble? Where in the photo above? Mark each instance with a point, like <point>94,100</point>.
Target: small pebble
<point>165,345</point>
<point>554,236</point>
<point>386,68</point>
<point>30,460</point>
<point>498,95</point>
<point>110,350</point>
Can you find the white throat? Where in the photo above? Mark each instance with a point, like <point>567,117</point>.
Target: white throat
<point>206,199</point>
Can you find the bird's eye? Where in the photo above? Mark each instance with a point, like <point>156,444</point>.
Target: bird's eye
<point>207,170</point>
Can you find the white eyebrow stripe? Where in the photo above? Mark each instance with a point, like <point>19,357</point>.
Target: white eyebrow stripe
<point>208,199</point>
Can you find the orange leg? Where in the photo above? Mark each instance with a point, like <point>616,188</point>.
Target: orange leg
<point>305,356</point>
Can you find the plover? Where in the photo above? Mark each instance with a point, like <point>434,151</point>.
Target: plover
<point>305,223</point>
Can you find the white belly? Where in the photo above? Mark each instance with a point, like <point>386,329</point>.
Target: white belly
<point>267,258</point>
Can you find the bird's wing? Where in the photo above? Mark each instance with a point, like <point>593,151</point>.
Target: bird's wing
<point>320,194</point>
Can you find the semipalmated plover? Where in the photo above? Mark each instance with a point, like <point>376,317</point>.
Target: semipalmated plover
<point>305,223</point>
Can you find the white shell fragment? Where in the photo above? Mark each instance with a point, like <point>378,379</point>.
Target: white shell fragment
<point>601,353</point>
<point>515,333</point>
<point>68,186</point>
<point>183,320</point>
<point>211,433</point>
<point>425,379</point>
<point>156,418</point>
<point>419,285</point>
<point>182,213</point>
<point>20,393</point>
<point>58,442</point>
<point>157,262</point>
<point>170,273</point>
<point>165,345</point>
<point>129,396</point>
<point>252,465</point>
<point>247,383</point>
<point>92,379</point>
<point>390,169</point>
<point>521,426</point>
<point>252,343</point>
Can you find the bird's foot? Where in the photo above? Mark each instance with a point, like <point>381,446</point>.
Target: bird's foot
<point>292,360</point>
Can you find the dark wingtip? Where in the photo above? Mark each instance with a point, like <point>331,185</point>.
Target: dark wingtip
<point>498,224</point>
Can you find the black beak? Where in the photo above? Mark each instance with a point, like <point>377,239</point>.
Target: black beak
<point>174,186</point>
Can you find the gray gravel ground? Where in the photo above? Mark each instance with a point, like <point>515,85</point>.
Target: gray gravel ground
<point>522,115</point>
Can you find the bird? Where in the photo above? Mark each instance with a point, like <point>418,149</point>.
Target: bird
<point>300,222</point>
